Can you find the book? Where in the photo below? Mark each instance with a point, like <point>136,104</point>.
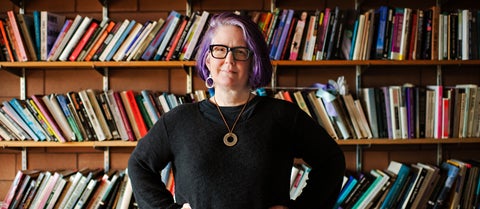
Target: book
<point>10,194</point>
<point>402,171</point>
<point>167,39</point>
<point>142,47</point>
<point>81,113</point>
<point>75,38</point>
<point>64,106</point>
<point>92,116</point>
<point>4,42</point>
<point>116,114</point>
<point>57,51</point>
<point>19,107</point>
<point>100,115</point>
<point>129,96</point>
<point>124,116</point>
<point>100,40</point>
<point>181,42</point>
<point>53,106</point>
<point>117,40</point>
<point>58,41</point>
<point>107,114</point>
<point>15,117</point>
<point>103,25</point>
<point>89,31</point>
<point>153,45</point>
<point>50,27</point>
<point>134,33</point>
<point>20,47</point>
<point>182,28</point>
<point>189,52</point>
<point>25,23</point>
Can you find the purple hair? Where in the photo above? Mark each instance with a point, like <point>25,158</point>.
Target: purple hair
<point>261,73</point>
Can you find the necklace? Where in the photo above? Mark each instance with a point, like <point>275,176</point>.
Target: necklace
<point>230,139</point>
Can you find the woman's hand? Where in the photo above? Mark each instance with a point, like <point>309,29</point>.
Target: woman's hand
<point>278,207</point>
<point>186,206</point>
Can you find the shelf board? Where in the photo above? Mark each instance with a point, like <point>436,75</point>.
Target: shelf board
<point>407,141</point>
<point>43,64</point>
<point>93,144</point>
<point>299,63</point>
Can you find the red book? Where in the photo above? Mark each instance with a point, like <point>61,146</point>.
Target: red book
<point>37,99</point>
<point>176,38</point>
<point>100,40</point>
<point>88,34</point>
<point>4,41</point>
<point>137,115</point>
<point>123,113</point>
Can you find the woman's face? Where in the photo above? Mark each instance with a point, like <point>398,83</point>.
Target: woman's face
<point>229,72</point>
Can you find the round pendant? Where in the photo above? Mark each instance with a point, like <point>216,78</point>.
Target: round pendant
<point>230,139</point>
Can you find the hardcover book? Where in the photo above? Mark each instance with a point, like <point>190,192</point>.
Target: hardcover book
<point>50,27</point>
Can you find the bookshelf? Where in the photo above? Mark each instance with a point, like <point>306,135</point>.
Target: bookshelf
<point>20,79</point>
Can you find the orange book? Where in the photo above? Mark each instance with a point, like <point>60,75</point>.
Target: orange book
<point>100,41</point>
<point>5,41</point>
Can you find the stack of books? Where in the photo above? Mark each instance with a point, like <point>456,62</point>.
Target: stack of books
<point>87,115</point>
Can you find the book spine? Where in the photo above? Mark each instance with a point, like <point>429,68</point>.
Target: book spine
<point>123,113</point>
<point>20,47</point>
<point>83,41</point>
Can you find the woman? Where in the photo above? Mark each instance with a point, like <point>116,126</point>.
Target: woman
<point>235,150</point>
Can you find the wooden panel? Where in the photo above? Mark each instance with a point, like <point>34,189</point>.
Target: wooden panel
<point>162,5</point>
<point>64,80</point>
<point>139,79</point>
<point>49,161</point>
<point>219,5</point>
<point>9,84</point>
<point>8,167</point>
<point>65,6</point>
<point>90,160</point>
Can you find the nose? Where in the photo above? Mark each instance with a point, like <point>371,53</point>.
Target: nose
<point>229,57</point>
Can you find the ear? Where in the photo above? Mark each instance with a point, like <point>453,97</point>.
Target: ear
<point>207,61</point>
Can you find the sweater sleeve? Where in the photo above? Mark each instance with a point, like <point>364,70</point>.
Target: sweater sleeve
<point>327,162</point>
<point>144,166</point>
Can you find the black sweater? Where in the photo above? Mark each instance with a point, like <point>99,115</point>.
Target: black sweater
<point>253,174</point>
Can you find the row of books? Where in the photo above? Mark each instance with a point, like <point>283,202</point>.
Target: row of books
<point>394,33</point>
<point>69,189</point>
<point>87,115</point>
<point>394,112</point>
<point>49,36</point>
<point>453,184</point>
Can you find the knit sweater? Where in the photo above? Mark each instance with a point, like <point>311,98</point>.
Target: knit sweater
<point>253,174</point>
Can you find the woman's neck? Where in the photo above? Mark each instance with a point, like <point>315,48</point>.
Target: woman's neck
<point>231,98</point>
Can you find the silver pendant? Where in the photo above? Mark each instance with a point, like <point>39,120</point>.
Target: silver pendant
<point>230,139</point>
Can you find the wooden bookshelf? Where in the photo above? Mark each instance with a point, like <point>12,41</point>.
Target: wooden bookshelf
<point>94,144</point>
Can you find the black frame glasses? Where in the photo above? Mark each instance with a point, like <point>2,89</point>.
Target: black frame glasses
<point>240,53</point>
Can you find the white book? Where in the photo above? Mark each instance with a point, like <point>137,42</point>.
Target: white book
<point>36,201</point>
<point>76,22</point>
<point>10,111</point>
<point>77,192</point>
<point>50,26</point>
<point>116,114</point>
<point>103,26</point>
<point>91,115</point>
<point>10,124</point>
<point>196,36</point>
<point>466,18</point>
<point>114,40</point>
<point>127,195</point>
<point>358,39</point>
<point>405,33</point>
<point>92,95</point>
<point>75,38</point>
<point>131,51</point>
<point>74,181</point>
<point>395,99</point>
<point>57,191</point>
<point>57,113</point>
<point>45,195</point>
<point>5,134</point>
<point>119,55</point>
<point>82,201</point>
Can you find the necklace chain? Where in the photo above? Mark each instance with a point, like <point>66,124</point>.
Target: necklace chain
<point>226,139</point>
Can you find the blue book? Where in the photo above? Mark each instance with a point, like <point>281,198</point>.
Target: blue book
<point>172,27</point>
<point>277,34</point>
<point>19,108</point>
<point>36,27</point>
<point>120,40</point>
<point>10,111</point>
<point>62,100</point>
<point>452,173</point>
<point>355,31</point>
<point>352,181</point>
<point>283,37</point>
<point>155,43</point>
<point>402,171</point>
<point>382,22</point>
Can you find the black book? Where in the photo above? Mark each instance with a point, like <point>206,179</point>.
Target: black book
<point>427,36</point>
<point>181,41</point>
<point>365,181</point>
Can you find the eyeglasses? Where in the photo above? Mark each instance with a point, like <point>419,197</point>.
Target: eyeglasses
<point>239,53</point>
